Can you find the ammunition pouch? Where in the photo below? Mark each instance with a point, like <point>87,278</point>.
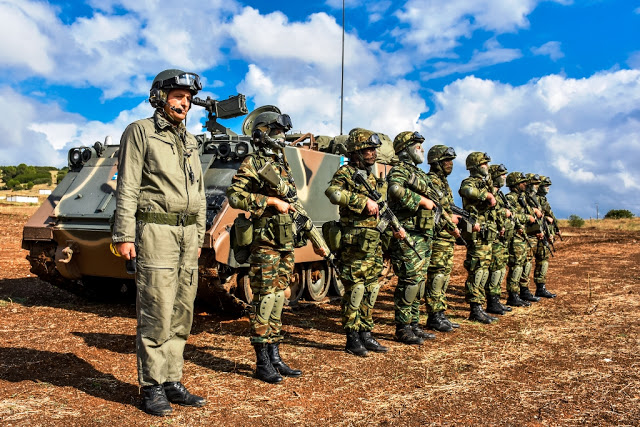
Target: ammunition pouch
<point>332,233</point>
<point>366,239</point>
<point>533,228</point>
<point>243,230</point>
<point>424,219</point>
<point>282,228</point>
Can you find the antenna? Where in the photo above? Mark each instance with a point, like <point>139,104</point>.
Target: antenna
<point>342,72</point>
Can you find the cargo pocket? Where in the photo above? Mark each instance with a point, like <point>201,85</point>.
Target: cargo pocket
<point>368,240</point>
<point>424,219</point>
<point>282,228</point>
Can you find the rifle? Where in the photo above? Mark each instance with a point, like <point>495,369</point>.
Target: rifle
<point>516,222</point>
<point>429,191</point>
<point>546,241</point>
<point>387,217</point>
<point>301,221</point>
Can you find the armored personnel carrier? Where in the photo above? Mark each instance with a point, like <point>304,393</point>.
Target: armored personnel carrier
<point>69,236</point>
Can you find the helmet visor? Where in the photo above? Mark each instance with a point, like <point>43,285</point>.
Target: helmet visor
<point>449,152</point>
<point>283,121</point>
<point>417,137</point>
<point>190,80</point>
<point>374,140</point>
<point>502,169</point>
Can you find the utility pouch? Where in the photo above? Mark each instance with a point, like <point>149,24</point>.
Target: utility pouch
<point>243,230</point>
<point>282,228</point>
<point>386,238</point>
<point>368,240</point>
<point>533,228</point>
<point>332,233</point>
<point>424,219</point>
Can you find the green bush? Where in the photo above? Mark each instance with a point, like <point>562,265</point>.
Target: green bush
<point>575,221</point>
<point>618,214</point>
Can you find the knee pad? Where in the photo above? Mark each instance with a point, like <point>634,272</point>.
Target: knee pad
<point>478,277</point>
<point>517,272</point>
<point>410,293</point>
<point>438,283</point>
<point>544,266</point>
<point>374,295</point>
<point>356,296</point>
<point>527,269</point>
<point>278,303</point>
<point>265,307</point>
<point>423,285</point>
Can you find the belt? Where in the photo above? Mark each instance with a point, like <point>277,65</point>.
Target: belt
<point>167,218</point>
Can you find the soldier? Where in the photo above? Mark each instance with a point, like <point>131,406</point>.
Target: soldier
<point>160,221</point>
<point>272,247</point>
<point>440,159</point>
<point>520,245</point>
<point>542,252</point>
<point>360,255</point>
<point>479,201</point>
<point>535,234</point>
<point>500,246</point>
<point>408,186</point>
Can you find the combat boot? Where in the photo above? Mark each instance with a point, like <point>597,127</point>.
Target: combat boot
<point>454,325</point>
<point>542,292</point>
<point>154,401</point>
<point>405,335</point>
<point>526,295</point>
<point>276,361</point>
<point>264,369</point>
<point>419,332</point>
<point>354,345</point>
<point>505,308</point>
<point>177,393</point>
<point>370,342</point>
<point>438,322</point>
<point>514,300</point>
<point>493,305</point>
<point>478,314</point>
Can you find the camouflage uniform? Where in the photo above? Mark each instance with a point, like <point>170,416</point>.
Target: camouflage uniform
<point>161,206</point>
<point>543,253</point>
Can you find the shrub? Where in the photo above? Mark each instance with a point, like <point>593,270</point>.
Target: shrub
<point>618,214</point>
<point>575,221</point>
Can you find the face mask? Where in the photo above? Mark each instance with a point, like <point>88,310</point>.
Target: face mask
<point>417,154</point>
<point>483,170</point>
<point>500,181</point>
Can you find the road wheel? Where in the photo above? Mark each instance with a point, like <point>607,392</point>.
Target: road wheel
<point>318,277</point>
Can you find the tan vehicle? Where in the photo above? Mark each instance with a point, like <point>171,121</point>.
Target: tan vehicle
<point>69,237</point>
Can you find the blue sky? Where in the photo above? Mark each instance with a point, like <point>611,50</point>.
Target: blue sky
<point>551,87</point>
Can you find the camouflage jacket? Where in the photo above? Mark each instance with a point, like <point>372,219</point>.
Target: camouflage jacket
<point>441,187</point>
<point>501,218</point>
<point>546,210</point>
<point>352,210</point>
<point>159,171</point>
<point>474,191</point>
<point>407,206</point>
<point>519,212</point>
<point>249,192</point>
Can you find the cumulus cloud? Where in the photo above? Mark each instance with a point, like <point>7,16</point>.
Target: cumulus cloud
<point>580,132</point>
<point>479,59</point>
<point>634,60</point>
<point>551,49</point>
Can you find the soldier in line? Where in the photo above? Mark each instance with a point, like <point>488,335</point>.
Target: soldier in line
<point>520,245</point>
<point>534,233</point>
<point>440,159</point>
<point>543,253</point>
<point>272,245</point>
<point>407,194</point>
<point>500,246</point>
<point>479,201</point>
<point>160,221</point>
<point>360,255</point>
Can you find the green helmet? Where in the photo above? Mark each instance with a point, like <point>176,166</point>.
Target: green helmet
<point>515,178</point>
<point>271,119</point>
<point>476,159</point>
<point>545,180</point>
<point>497,170</point>
<point>360,139</point>
<point>533,178</point>
<point>438,153</point>
<point>405,139</point>
<point>172,79</point>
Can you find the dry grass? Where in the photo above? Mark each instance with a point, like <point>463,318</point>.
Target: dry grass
<point>631,224</point>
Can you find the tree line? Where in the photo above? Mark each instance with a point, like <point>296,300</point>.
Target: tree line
<point>24,177</point>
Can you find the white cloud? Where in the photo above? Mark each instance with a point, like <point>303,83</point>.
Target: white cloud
<point>634,60</point>
<point>551,49</point>
<point>479,59</point>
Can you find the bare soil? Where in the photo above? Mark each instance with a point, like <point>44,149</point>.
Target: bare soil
<point>572,360</point>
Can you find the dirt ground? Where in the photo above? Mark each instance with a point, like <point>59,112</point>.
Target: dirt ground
<point>572,360</point>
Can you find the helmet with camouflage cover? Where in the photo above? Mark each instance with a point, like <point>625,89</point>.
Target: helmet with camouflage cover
<point>545,180</point>
<point>515,178</point>
<point>406,139</point>
<point>533,178</point>
<point>497,170</point>
<point>439,153</point>
<point>476,159</point>
<point>170,79</point>
<point>360,138</point>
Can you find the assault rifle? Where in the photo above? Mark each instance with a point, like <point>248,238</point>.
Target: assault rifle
<point>546,241</point>
<point>516,222</point>
<point>414,184</point>
<point>301,221</point>
<point>387,217</point>
<point>469,221</point>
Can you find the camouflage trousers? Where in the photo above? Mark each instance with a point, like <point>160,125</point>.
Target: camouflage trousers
<point>528,265</point>
<point>412,275</point>
<point>542,256</point>
<point>269,277</point>
<point>518,250</point>
<point>438,273</point>
<point>498,267</point>
<point>359,272</point>
<point>477,265</point>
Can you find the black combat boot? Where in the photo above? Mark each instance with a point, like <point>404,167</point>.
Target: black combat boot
<point>505,308</point>
<point>438,322</point>
<point>542,292</point>
<point>493,305</point>
<point>514,300</point>
<point>154,401</point>
<point>177,393</point>
<point>370,342</point>
<point>454,325</point>
<point>277,362</point>
<point>264,369</point>
<point>526,295</point>
<point>479,315</point>
<point>419,332</point>
<point>354,345</point>
<point>405,335</point>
